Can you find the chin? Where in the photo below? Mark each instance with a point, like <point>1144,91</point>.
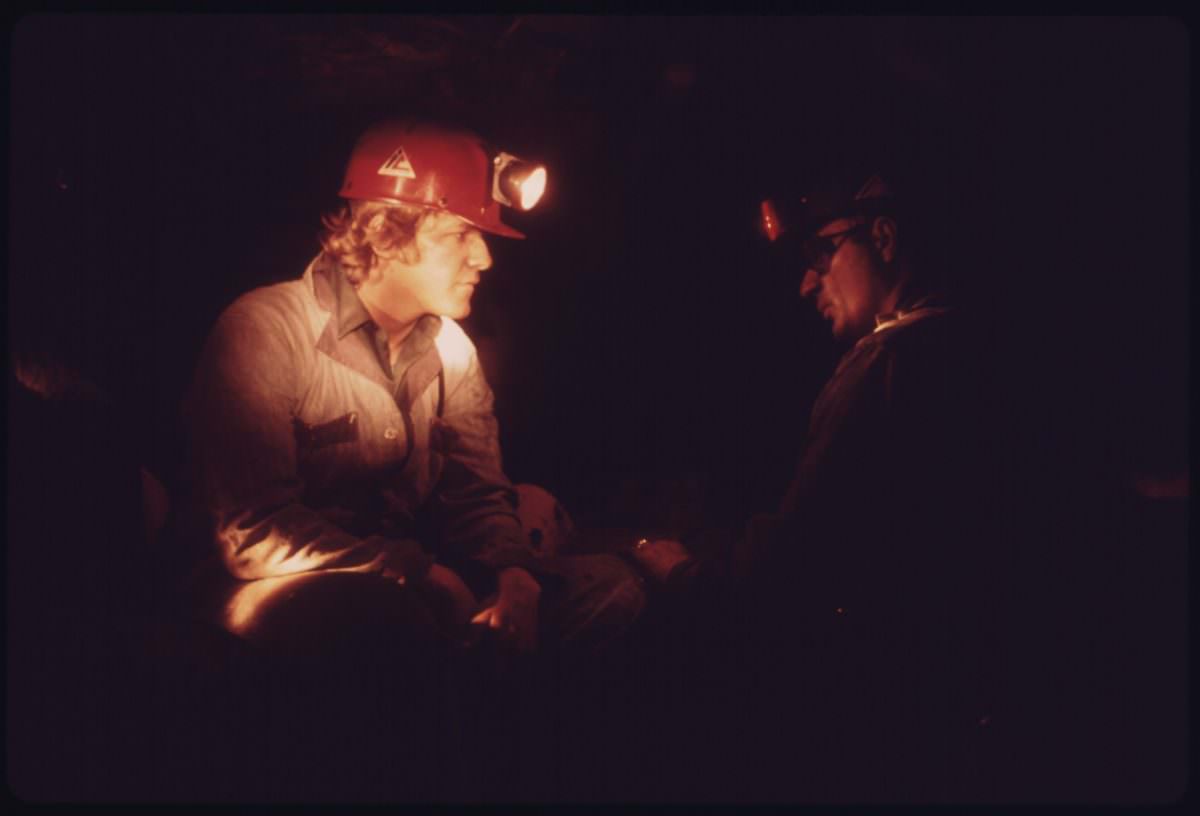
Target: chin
<point>457,311</point>
<point>846,334</point>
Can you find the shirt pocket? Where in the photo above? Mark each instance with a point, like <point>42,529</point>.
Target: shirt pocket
<point>314,437</point>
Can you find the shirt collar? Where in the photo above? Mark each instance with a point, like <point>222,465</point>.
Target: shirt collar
<point>349,308</point>
<point>420,338</point>
<point>350,315</point>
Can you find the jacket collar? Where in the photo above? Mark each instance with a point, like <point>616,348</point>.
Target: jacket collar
<point>908,307</point>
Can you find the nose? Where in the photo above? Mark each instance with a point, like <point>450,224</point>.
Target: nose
<point>478,255</point>
<point>810,283</point>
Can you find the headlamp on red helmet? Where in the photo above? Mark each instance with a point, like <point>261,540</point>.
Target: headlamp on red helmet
<point>517,183</point>
<point>446,168</point>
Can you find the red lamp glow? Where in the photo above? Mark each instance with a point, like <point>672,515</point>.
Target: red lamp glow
<point>770,220</point>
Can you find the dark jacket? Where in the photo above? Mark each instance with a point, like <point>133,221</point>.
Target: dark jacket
<point>875,593</point>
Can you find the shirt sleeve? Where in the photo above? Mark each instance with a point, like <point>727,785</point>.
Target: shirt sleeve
<point>474,501</point>
<point>239,416</point>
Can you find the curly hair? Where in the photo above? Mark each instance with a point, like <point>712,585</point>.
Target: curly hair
<point>360,234</point>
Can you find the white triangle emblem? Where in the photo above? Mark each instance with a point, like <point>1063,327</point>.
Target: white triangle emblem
<point>397,165</point>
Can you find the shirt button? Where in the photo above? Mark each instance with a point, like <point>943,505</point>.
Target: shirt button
<point>390,433</point>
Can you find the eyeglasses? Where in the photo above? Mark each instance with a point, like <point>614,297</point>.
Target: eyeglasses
<point>819,249</point>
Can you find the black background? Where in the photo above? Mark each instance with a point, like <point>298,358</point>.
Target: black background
<point>163,164</point>
<point>643,347</point>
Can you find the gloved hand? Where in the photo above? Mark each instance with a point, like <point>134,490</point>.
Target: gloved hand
<point>657,557</point>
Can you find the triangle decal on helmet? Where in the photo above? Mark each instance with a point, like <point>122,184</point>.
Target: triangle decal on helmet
<point>397,165</point>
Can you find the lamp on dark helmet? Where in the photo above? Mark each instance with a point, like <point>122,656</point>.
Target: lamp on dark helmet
<point>801,216</point>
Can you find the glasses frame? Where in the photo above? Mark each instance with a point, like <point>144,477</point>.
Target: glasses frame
<point>819,249</point>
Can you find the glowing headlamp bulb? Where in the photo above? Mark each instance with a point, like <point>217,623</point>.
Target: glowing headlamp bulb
<point>770,220</point>
<point>518,183</point>
<point>532,188</point>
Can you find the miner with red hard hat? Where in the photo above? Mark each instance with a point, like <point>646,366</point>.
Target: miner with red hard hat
<point>345,453</point>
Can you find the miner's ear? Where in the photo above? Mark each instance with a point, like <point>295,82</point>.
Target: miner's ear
<point>884,233</point>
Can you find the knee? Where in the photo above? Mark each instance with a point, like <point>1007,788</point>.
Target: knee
<point>605,597</point>
<point>320,614</point>
<point>625,598</point>
<point>544,519</point>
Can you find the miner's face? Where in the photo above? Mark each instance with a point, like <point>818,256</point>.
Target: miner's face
<point>440,276</point>
<point>844,276</point>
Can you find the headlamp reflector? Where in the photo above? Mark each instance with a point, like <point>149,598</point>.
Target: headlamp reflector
<point>532,188</point>
<point>517,183</point>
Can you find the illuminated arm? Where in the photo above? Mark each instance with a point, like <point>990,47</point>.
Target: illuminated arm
<point>474,501</point>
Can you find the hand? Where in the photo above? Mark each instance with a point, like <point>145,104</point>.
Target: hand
<point>513,612</point>
<point>659,556</point>
<point>452,600</point>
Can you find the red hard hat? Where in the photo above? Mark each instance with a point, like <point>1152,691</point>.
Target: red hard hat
<point>429,165</point>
